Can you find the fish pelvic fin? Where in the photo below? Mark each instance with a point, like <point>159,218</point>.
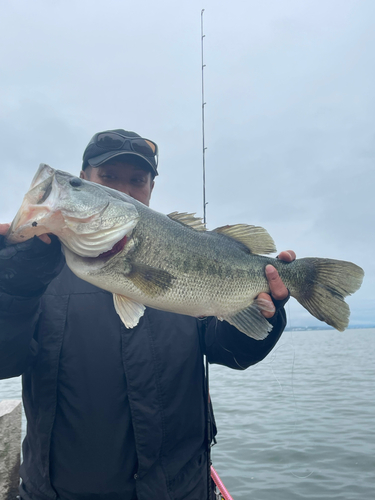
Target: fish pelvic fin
<point>324,292</point>
<point>251,321</point>
<point>151,281</point>
<point>129,311</point>
<point>255,238</point>
<point>188,220</point>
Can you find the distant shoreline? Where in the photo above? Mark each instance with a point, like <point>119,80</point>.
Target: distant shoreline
<point>329,328</point>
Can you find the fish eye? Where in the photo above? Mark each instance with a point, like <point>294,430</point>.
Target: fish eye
<point>75,182</point>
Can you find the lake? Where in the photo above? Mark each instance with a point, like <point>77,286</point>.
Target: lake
<point>300,424</point>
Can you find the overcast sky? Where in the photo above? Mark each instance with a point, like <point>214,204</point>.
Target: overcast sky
<point>289,87</point>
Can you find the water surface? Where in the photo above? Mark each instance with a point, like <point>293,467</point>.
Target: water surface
<point>300,424</point>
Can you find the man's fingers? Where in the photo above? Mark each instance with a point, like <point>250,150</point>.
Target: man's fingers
<point>266,313</point>
<point>4,228</point>
<point>287,256</point>
<point>278,290</point>
<point>45,238</point>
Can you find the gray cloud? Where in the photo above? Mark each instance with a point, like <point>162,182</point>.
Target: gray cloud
<point>289,117</point>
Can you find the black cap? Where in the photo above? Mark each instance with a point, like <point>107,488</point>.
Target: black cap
<point>127,144</point>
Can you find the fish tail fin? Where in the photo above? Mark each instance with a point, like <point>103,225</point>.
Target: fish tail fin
<point>329,282</point>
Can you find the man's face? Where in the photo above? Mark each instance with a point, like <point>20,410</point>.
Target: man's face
<point>127,178</point>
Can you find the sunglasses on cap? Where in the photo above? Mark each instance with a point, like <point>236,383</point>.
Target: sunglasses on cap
<point>112,141</point>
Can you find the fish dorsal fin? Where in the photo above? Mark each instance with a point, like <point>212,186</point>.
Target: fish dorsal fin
<point>255,238</point>
<point>188,220</point>
<point>129,311</point>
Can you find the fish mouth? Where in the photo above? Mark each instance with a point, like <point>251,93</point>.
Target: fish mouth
<point>91,234</point>
<point>29,220</point>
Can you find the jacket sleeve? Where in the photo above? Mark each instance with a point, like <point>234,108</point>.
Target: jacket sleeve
<point>26,269</point>
<point>225,345</point>
<point>18,319</point>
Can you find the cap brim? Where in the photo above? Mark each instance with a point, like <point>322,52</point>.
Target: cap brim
<point>99,160</point>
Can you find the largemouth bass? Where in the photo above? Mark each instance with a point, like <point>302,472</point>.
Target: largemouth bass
<point>171,262</point>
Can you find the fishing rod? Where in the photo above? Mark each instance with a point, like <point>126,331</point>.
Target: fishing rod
<point>223,493</point>
<point>208,413</point>
<point>203,136</point>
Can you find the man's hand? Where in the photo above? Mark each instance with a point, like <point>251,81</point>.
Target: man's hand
<point>4,229</point>
<point>27,268</point>
<point>277,287</point>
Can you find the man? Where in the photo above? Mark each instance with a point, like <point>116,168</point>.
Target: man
<point>113,413</point>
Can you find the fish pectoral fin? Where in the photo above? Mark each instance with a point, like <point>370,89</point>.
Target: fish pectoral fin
<point>188,220</point>
<point>251,321</point>
<point>255,238</point>
<point>129,311</point>
<point>151,281</point>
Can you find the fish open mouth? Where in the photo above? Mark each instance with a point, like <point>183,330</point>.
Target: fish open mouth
<point>117,247</point>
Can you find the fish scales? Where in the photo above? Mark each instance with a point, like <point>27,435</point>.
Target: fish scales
<point>194,258</point>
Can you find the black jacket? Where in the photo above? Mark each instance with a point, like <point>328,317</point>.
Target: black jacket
<point>163,368</point>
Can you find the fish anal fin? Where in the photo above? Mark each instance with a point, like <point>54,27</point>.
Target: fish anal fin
<point>188,220</point>
<point>255,238</point>
<point>129,311</point>
<point>251,321</point>
<point>151,281</point>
